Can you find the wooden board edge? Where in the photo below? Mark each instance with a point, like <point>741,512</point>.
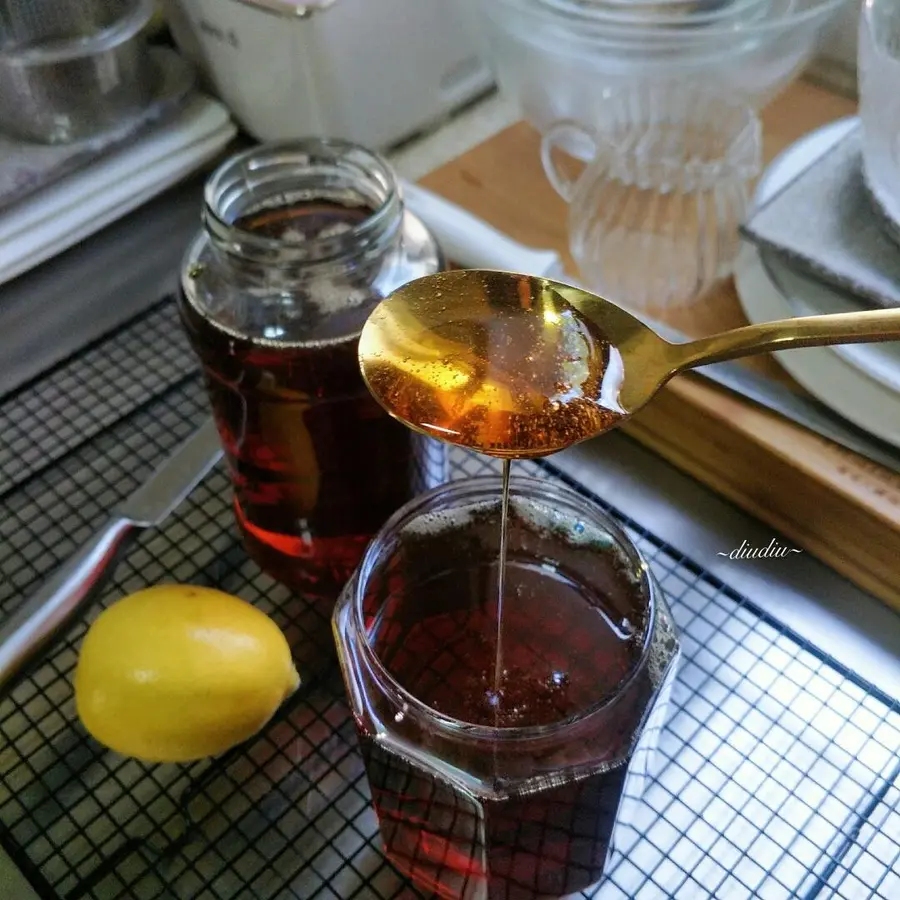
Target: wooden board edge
<point>858,480</point>
<point>872,563</point>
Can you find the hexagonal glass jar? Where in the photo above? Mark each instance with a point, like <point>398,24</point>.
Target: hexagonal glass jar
<point>504,780</point>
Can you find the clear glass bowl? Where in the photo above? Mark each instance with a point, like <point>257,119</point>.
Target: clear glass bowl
<point>593,19</point>
<point>560,60</point>
<point>654,217</point>
<point>661,13</point>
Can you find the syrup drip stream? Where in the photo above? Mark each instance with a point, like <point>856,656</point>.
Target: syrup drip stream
<point>501,588</point>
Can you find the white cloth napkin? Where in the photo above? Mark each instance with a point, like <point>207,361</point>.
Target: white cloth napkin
<point>80,204</point>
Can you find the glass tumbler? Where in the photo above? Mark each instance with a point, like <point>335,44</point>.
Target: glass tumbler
<point>498,746</point>
<point>879,107</point>
<point>654,217</point>
<point>300,241</point>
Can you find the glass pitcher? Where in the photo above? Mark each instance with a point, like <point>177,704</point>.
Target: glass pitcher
<point>654,218</point>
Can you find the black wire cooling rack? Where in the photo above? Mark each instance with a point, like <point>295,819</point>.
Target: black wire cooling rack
<point>779,775</point>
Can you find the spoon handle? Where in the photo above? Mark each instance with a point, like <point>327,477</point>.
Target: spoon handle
<point>785,334</point>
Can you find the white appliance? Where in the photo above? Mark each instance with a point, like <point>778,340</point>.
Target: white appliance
<point>370,71</point>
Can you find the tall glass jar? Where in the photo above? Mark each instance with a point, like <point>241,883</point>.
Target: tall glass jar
<point>300,241</point>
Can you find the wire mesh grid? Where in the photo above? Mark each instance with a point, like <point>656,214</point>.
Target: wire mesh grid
<point>778,773</point>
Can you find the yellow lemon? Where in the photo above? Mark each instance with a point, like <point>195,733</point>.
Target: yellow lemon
<point>177,673</point>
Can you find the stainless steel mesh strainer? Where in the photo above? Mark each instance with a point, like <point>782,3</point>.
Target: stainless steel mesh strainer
<point>66,89</point>
<point>27,22</point>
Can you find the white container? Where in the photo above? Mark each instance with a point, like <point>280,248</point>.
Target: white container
<point>369,71</point>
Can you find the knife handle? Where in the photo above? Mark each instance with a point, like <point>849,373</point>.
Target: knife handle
<point>38,619</point>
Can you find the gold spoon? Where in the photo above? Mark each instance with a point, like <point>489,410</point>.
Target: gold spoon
<point>518,366</point>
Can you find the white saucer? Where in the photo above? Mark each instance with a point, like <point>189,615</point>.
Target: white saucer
<point>878,361</point>
<point>861,382</point>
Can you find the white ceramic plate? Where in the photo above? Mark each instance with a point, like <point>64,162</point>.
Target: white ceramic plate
<point>878,361</point>
<point>861,385</point>
<point>806,296</point>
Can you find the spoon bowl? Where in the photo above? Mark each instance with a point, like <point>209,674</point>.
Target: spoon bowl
<point>518,366</point>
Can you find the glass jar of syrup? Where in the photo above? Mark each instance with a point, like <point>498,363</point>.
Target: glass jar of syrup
<point>501,749</point>
<point>300,241</point>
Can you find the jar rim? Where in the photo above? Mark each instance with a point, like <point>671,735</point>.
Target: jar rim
<point>478,487</point>
<point>367,165</point>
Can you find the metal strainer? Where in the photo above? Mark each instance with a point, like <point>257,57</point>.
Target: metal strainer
<point>73,87</point>
<point>27,22</point>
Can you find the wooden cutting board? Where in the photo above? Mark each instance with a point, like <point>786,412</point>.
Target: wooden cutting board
<point>829,501</point>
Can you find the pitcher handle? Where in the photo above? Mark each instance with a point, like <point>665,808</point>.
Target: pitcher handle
<point>562,184</point>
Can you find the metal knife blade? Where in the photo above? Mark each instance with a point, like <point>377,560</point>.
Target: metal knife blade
<point>35,622</point>
<point>174,479</point>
